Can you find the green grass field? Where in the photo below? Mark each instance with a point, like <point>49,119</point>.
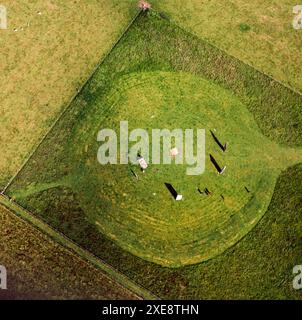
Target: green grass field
<point>72,43</point>
<point>192,84</point>
<point>50,47</point>
<point>257,32</point>
<point>200,227</point>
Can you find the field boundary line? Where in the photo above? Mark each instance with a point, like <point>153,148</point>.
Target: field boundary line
<point>9,211</point>
<point>58,237</point>
<point>67,243</point>
<point>68,105</point>
<point>103,60</point>
<point>190,31</point>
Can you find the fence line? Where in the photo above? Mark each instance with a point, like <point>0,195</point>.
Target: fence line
<point>30,218</point>
<point>90,258</point>
<point>71,101</point>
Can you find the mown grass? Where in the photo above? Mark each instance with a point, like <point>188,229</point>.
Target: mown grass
<point>42,65</point>
<point>271,44</point>
<point>151,37</point>
<point>200,227</point>
<point>47,52</point>
<point>258,267</point>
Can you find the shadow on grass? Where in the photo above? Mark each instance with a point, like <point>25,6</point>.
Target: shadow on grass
<point>259,266</point>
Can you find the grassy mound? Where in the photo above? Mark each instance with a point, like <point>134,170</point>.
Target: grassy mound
<point>140,215</point>
<point>206,88</point>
